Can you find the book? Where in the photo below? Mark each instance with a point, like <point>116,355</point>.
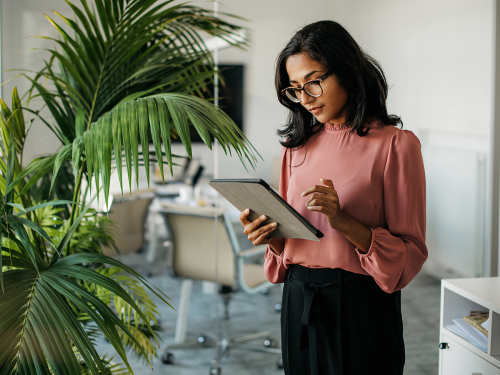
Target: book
<point>469,333</point>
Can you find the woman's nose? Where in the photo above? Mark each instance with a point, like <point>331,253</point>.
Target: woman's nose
<point>305,97</point>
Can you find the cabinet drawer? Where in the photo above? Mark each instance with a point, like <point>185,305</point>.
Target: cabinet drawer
<point>457,360</point>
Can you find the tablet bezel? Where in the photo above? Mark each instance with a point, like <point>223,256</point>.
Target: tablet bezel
<point>263,183</point>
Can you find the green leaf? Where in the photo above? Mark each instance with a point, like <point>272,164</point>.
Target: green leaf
<point>117,142</point>
<point>80,258</point>
<point>154,125</point>
<point>23,236</point>
<point>89,154</point>
<point>11,159</point>
<point>151,115</point>
<point>165,132</point>
<point>97,145</point>
<point>126,125</point>
<point>40,167</point>
<point>102,315</point>
<point>134,138</point>
<point>37,326</point>
<point>142,115</point>
<point>107,141</point>
<point>72,230</point>
<point>18,206</point>
<point>60,158</point>
<point>80,122</point>
<point>45,204</point>
<point>78,146</point>
<point>30,225</point>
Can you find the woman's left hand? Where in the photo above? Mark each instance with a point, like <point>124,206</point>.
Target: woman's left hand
<point>324,199</point>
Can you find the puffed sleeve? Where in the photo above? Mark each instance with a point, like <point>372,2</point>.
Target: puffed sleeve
<point>273,265</point>
<point>398,251</point>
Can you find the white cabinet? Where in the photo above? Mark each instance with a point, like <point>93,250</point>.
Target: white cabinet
<point>458,298</point>
<point>457,360</point>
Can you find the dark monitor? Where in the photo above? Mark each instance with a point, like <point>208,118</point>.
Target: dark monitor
<point>231,97</point>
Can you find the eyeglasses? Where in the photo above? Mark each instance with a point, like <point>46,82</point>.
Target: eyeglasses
<point>312,88</point>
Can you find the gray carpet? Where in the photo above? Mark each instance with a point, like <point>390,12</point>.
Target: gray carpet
<point>250,314</point>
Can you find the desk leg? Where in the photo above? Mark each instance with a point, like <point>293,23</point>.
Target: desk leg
<point>153,237</point>
<point>182,318</point>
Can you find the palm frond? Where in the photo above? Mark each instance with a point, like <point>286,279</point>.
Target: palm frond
<point>37,325</point>
<point>151,117</point>
<point>113,56</point>
<point>93,234</point>
<point>127,314</point>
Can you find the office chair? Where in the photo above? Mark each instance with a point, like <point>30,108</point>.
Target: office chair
<point>129,212</point>
<point>192,257</point>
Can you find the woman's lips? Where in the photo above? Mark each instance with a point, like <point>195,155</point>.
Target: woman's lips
<point>315,110</point>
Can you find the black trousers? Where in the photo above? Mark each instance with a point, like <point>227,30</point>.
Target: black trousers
<point>335,322</point>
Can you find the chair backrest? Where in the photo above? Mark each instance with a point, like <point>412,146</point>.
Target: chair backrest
<point>129,213</point>
<point>196,246</point>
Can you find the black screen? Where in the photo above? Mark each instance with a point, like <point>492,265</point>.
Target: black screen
<point>230,97</point>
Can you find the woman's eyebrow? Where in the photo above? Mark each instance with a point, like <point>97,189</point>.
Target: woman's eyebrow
<point>306,76</point>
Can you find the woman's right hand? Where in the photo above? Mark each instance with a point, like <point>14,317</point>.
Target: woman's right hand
<point>259,234</point>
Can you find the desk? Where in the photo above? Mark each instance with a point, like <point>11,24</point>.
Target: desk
<point>155,219</point>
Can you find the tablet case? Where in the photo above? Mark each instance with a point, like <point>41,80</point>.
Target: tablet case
<point>261,199</point>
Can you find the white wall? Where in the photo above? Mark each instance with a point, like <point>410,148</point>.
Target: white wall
<point>437,56</point>
<point>22,21</point>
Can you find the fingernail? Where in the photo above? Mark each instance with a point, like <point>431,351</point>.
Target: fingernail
<point>263,217</point>
<point>309,208</point>
<point>302,194</point>
<point>246,211</point>
<point>273,224</point>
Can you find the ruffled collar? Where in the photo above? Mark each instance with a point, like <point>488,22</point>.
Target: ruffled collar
<point>338,127</point>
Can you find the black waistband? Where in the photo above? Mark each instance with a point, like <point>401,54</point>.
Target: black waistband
<point>330,276</point>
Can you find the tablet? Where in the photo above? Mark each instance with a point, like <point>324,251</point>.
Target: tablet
<point>261,199</point>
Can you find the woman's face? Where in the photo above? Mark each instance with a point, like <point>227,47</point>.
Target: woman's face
<point>331,106</point>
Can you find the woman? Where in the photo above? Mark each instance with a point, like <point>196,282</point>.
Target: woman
<point>358,178</point>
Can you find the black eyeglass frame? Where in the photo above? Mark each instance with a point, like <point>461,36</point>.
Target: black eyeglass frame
<point>319,80</point>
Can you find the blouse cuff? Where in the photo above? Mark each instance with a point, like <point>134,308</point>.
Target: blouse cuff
<point>362,254</point>
<point>271,251</point>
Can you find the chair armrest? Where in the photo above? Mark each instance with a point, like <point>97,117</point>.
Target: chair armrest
<point>252,252</point>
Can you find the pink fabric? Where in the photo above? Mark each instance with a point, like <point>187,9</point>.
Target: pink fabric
<point>380,182</point>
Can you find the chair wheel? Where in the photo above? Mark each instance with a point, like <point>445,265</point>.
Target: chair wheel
<point>215,370</point>
<point>168,358</point>
<point>279,363</point>
<point>201,339</point>
<point>269,343</point>
<point>277,307</point>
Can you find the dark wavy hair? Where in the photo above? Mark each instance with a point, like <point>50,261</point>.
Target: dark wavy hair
<point>358,73</point>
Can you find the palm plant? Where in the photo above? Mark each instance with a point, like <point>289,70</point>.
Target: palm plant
<point>134,69</point>
<point>51,305</point>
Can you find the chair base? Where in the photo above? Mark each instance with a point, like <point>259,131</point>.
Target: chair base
<point>222,342</point>
<point>211,340</point>
<point>224,345</point>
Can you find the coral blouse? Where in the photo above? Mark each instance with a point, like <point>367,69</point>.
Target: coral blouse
<point>380,182</point>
